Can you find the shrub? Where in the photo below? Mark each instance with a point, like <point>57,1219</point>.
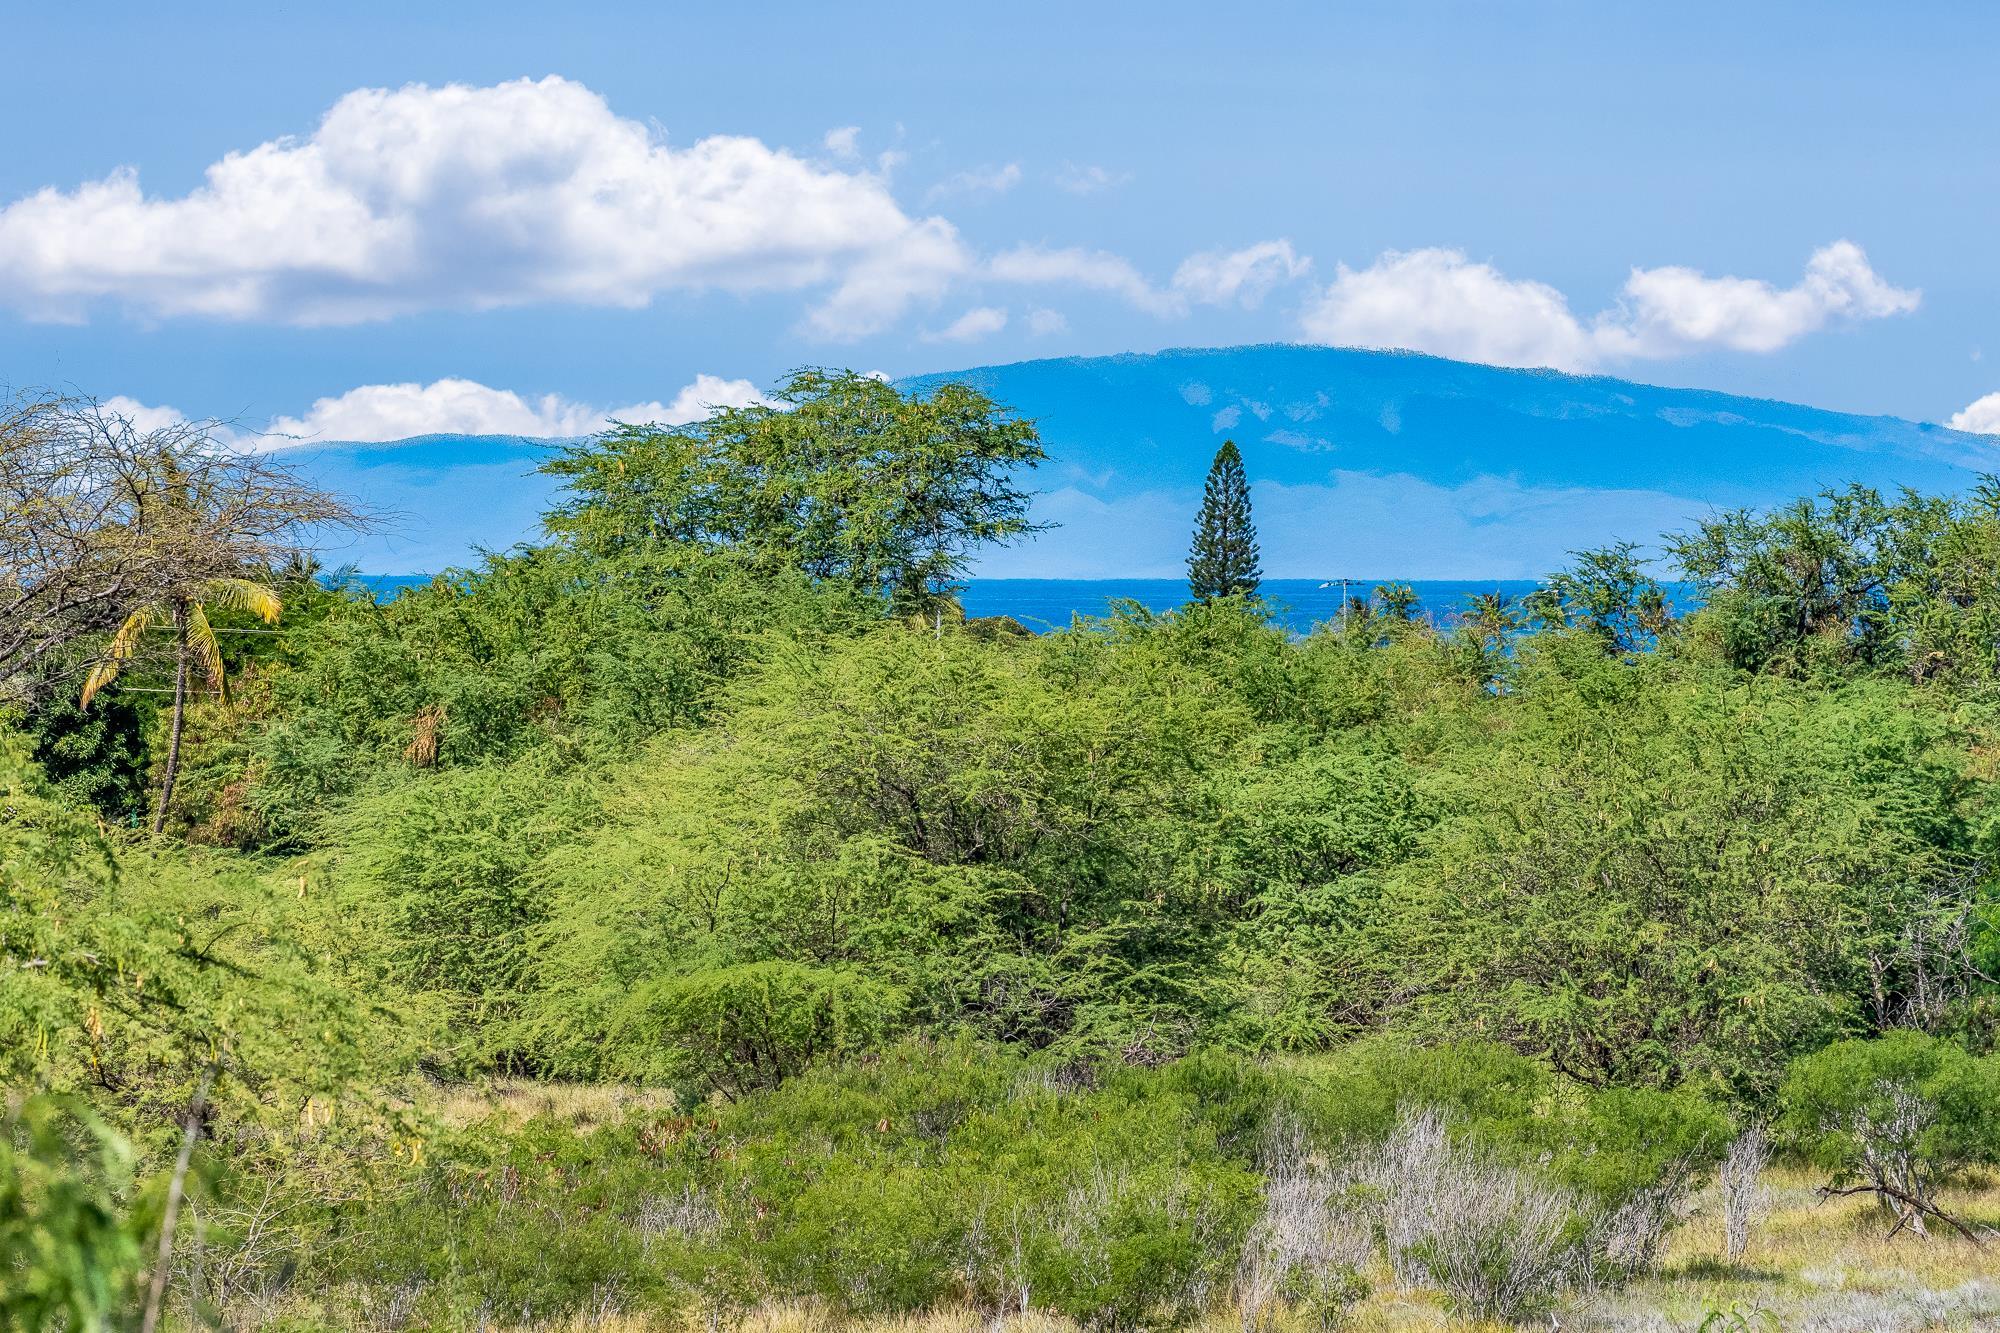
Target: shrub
<point>68,1249</point>
<point>1308,1247</point>
<point>1895,1117</point>
<point>1745,1197</point>
<point>1500,1242</point>
<point>754,1025</point>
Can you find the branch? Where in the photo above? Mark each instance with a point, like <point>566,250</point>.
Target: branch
<point>1890,1191</point>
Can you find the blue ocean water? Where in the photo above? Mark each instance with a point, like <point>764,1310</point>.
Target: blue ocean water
<point>1047,604</point>
<point>1297,604</point>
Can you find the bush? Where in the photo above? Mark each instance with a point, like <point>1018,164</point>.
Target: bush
<point>69,1250</point>
<point>1498,1241</point>
<point>1896,1117</point>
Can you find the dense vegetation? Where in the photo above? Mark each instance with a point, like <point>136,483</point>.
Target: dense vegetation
<point>1159,963</point>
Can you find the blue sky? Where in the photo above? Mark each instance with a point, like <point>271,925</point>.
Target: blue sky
<point>726,191</point>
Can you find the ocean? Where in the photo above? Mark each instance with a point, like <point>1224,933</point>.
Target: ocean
<point>1047,604</point>
<point>1297,604</point>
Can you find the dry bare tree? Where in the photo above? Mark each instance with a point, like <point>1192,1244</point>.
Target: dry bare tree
<point>1745,1197</point>
<point>105,525</point>
<point>68,530</point>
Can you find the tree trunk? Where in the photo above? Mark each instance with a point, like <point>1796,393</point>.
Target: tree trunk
<point>163,1268</point>
<point>180,712</point>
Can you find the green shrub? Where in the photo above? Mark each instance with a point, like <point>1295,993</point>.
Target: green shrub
<point>1896,1116</point>
<point>69,1248</point>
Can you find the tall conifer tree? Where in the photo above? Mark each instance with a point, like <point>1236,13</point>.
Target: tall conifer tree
<point>1223,560</point>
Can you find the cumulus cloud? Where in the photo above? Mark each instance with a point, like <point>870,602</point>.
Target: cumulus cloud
<point>1043,322</point>
<point>1212,277</point>
<point>844,141</point>
<point>1667,310</point>
<point>376,413</point>
<point>462,197</point>
<point>1094,270</point>
<point>1244,276</point>
<point>983,180</point>
<point>144,418</point>
<point>1981,416</point>
<point>976,323</point>
<point>1440,301</point>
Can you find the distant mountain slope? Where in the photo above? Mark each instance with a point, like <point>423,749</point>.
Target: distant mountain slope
<point>1367,464</point>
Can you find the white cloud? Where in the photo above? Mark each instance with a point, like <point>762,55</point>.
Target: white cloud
<point>845,141</point>
<point>1245,276</point>
<point>1044,322</point>
<point>1439,301</point>
<point>880,286</point>
<point>1667,310</point>
<point>979,322</point>
<point>1089,179</point>
<point>1981,416</point>
<point>377,413</point>
<point>1096,270</point>
<point>472,198</point>
<point>983,180</point>
<point>143,418</point>
<point>374,413</point>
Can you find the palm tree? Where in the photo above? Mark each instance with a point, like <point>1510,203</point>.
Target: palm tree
<point>194,645</point>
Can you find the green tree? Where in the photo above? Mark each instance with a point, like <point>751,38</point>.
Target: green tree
<point>1223,560</point>
<point>1808,582</point>
<point>1605,592</point>
<point>840,475</point>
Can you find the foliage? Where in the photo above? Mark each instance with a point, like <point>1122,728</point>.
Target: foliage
<point>68,1247</point>
<point>839,476</point>
<point>1222,562</point>
<point>1670,876</point>
<point>1607,594</point>
<point>1897,1116</point>
<point>94,755</point>
<point>1100,972</point>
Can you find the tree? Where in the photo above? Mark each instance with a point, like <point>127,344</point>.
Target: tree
<point>840,475</point>
<point>1605,592</point>
<point>198,525</point>
<point>1808,581</point>
<point>70,543</point>
<point>1223,560</point>
<point>185,612</point>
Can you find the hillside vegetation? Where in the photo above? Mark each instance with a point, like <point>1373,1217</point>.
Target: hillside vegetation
<point>692,919</point>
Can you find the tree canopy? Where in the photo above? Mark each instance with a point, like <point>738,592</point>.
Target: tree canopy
<point>839,476</point>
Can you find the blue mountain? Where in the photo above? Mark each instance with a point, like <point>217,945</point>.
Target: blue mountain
<point>1362,463</point>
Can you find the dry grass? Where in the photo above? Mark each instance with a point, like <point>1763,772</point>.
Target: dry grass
<point>581,1105</point>
<point>1815,1265</point>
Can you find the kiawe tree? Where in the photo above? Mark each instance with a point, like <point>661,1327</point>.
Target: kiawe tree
<point>839,476</point>
<point>1223,559</point>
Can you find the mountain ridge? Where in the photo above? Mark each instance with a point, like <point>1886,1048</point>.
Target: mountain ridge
<point>1398,460</point>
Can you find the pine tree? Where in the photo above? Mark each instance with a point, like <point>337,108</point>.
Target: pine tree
<point>1223,560</point>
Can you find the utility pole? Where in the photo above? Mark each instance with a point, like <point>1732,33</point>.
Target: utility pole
<point>1343,582</point>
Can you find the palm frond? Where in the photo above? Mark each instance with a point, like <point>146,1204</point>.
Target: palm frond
<point>123,644</point>
<point>243,595</point>
<point>201,641</point>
